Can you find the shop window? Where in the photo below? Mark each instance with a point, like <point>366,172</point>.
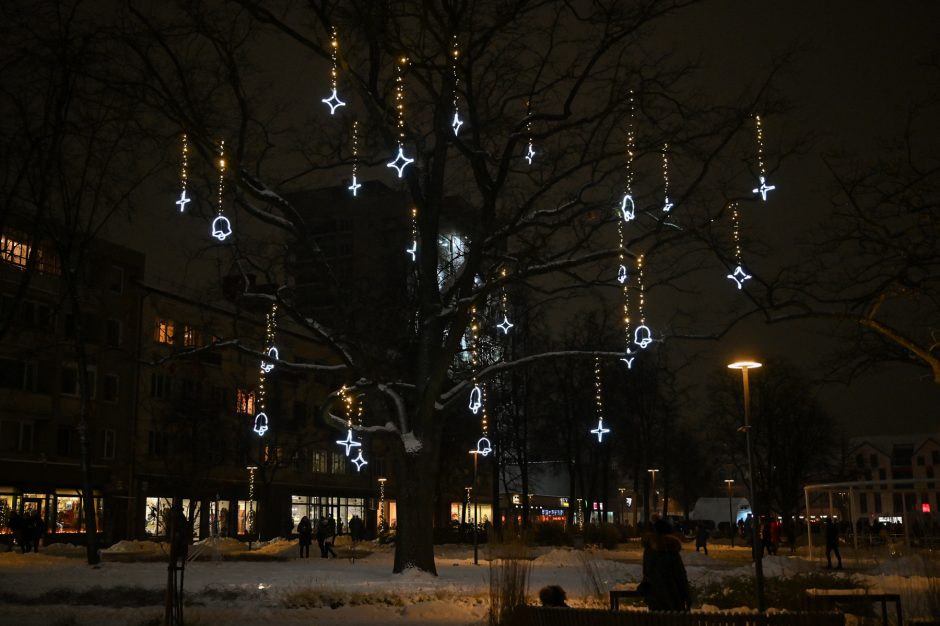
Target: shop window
<point>246,516</point>
<point>161,386</point>
<point>245,402</point>
<point>8,504</point>
<point>16,435</point>
<point>338,464</point>
<point>157,510</point>
<point>318,462</point>
<point>110,384</point>
<point>163,331</point>
<point>68,515</point>
<point>113,334</point>
<point>190,337</point>
<point>108,443</point>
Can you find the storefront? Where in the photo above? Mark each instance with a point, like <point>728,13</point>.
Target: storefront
<point>314,507</point>
<point>61,510</point>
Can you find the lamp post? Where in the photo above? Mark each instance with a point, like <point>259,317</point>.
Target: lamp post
<point>622,490</point>
<point>732,523</point>
<point>655,498</point>
<point>756,548</point>
<point>476,454</point>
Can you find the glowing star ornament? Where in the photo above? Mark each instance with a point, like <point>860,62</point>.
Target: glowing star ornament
<point>354,187</point>
<point>484,446</point>
<point>400,162</point>
<point>505,325</point>
<point>764,188</point>
<point>413,251</point>
<point>349,442</point>
<point>333,100</point>
<point>359,461</point>
<point>739,276</point>
<point>182,201</point>
<point>600,431</point>
<point>530,154</point>
<point>627,208</point>
<point>261,424</point>
<point>476,399</point>
<point>457,123</point>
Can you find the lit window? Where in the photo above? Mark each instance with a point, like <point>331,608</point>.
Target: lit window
<point>245,401</point>
<point>319,460</point>
<point>190,337</point>
<point>163,332</point>
<point>14,249</point>
<point>338,465</point>
<point>273,454</point>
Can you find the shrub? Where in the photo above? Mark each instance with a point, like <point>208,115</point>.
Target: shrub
<point>606,536</point>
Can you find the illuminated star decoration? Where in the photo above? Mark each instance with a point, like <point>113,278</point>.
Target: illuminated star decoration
<point>261,424</point>
<point>400,162</point>
<point>221,227</point>
<point>762,169</point>
<point>667,205</point>
<point>413,251</point>
<point>476,399</point>
<point>333,101</point>
<point>622,274</point>
<point>530,154</point>
<point>600,431</point>
<point>457,123</point>
<point>505,325</point>
<point>739,275</point>
<point>359,462</point>
<point>484,446</point>
<point>182,201</point>
<point>349,442</point>
<point>354,187</point>
<point>184,174</point>
<point>627,208</point>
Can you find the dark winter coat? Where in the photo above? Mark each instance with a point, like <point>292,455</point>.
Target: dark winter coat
<point>305,532</point>
<point>665,586</point>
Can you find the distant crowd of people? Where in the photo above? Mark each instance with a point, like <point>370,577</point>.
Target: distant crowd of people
<point>27,529</point>
<point>326,531</point>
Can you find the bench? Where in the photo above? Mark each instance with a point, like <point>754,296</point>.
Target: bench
<point>551,616</point>
<point>854,598</point>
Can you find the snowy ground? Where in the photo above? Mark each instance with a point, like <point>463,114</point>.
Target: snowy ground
<point>271,585</point>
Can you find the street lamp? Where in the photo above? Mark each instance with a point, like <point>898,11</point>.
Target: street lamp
<point>757,550</point>
<point>476,454</point>
<point>732,522</point>
<point>655,499</point>
<point>622,490</point>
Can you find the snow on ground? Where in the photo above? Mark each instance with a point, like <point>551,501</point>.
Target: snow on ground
<point>268,584</point>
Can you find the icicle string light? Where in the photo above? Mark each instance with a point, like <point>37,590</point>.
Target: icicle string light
<point>642,336</point>
<point>455,53</point>
<point>360,460</point>
<point>400,162</point>
<point>333,100</point>
<point>476,394</point>
<point>354,187</point>
<point>667,203</point>
<point>530,152</point>
<point>413,250</point>
<point>505,325</point>
<point>261,425</point>
<point>739,275</point>
<point>600,431</point>
<point>624,279</point>
<point>763,189</point>
<point>221,227</point>
<point>349,442</point>
<point>627,204</point>
<point>184,174</point>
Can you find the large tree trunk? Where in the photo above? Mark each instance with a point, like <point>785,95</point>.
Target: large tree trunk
<point>414,547</point>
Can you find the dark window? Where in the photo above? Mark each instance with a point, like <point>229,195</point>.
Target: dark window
<point>116,279</point>
<point>920,460</point>
<point>15,374</point>
<point>878,508</point>
<point>874,460</point>
<point>110,439</point>
<point>898,502</point>
<point>300,413</point>
<point>113,333</point>
<point>156,443</point>
<point>160,386</point>
<point>110,384</point>
<point>16,435</point>
<point>69,381</point>
<point>882,475</point>
<point>935,457</point>
<point>63,441</point>
<point>863,503</point>
<point>859,460</point>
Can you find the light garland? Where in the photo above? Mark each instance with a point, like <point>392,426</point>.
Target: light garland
<point>354,187</point>
<point>627,205</point>
<point>530,152</point>
<point>333,100</point>
<point>739,275</point>
<point>221,227</point>
<point>505,325</point>
<point>400,162</point>
<point>667,204</point>
<point>484,447</point>
<point>251,498</point>
<point>457,123</point>
<point>261,425</point>
<point>623,278</point>
<point>600,431</point>
<point>360,460</point>
<point>349,443</point>
<point>476,394</point>
<point>413,250</point>
<point>382,502</point>
<point>643,336</point>
<point>763,189</point>
<point>184,174</point>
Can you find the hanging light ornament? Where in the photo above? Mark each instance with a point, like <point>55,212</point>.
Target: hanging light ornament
<point>530,152</point>
<point>627,205</point>
<point>667,203</point>
<point>763,189</point>
<point>400,162</point>
<point>476,394</point>
<point>739,275</point>
<point>455,53</point>
<point>484,447</point>
<point>504,325</point>
<point>333,100</point>
<point>354,187</point>
<point>359,461</point>
<point>184,174</point>
<point>348,443</point>
<point>600,431</point>
<point>221,227</point>
<point>622,278</point>
<point>269,334</point>
<point>643,336</point>
<point>413,250</point>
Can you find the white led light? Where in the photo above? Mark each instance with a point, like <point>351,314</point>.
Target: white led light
<point>484,446</point>
<point>627,208</point>
<point>505,325</point>
<point>622,274</point>
<point>182,201</point>
<point>267,366</point>
<point>349,442</point>
<point>413,251</point>
<point>530,154</point>
<point>400,162</point>
<point>359,461</point>
<point>739,276</point>
<point>221,227</point>
<point>667,206</point>
<point>764,188</point>
<point>643,336</point>
<point>354,187</point>
<point>628,357</point>
<point>457,123</point>
<point>261,424</point>
<point>333,102</point>
<point>476,399</point>
<point>600,431</point>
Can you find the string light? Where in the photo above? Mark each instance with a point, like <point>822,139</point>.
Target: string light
<point>643,336</point>
<point>184,174</point>
<point>457,123</point>
<point>622,278</point>
<point>667,204</point>
<point>476,394</point>
<point>360,460</point>
<point>261,425</point>
<point>530,153</point>
<point>484,447</point>
<point>739,275</point>
<point>600,431</point>
<point>251,498</point>
<point>354,187</point>
<point>333,100</point>
<point>764,188</point>
<point>400,162</point>
<point>413,250</point>
<point>627,205</point>
<point>221,227</point>
<point>349,443</point>
<point>382,502</point>
<point>505,325</point>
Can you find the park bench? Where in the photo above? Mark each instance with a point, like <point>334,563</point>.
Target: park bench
<point>552,616</point>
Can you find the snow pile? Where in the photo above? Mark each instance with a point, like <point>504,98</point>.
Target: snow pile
<point>129,546</point>
<point>780,566</point>
<point>559,557</point>
<point>902,566</point>
<point>226,545</point>
<point>280,547</point>
<point>64,549</point>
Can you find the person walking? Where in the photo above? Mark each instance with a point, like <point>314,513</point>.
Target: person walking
<point>665,585</point>
<point>321,537</point>
<point>37,528</point>
<point>832,543</point>
<point>330,536</point>
<point>701,538</point>
<point>305,536</point>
